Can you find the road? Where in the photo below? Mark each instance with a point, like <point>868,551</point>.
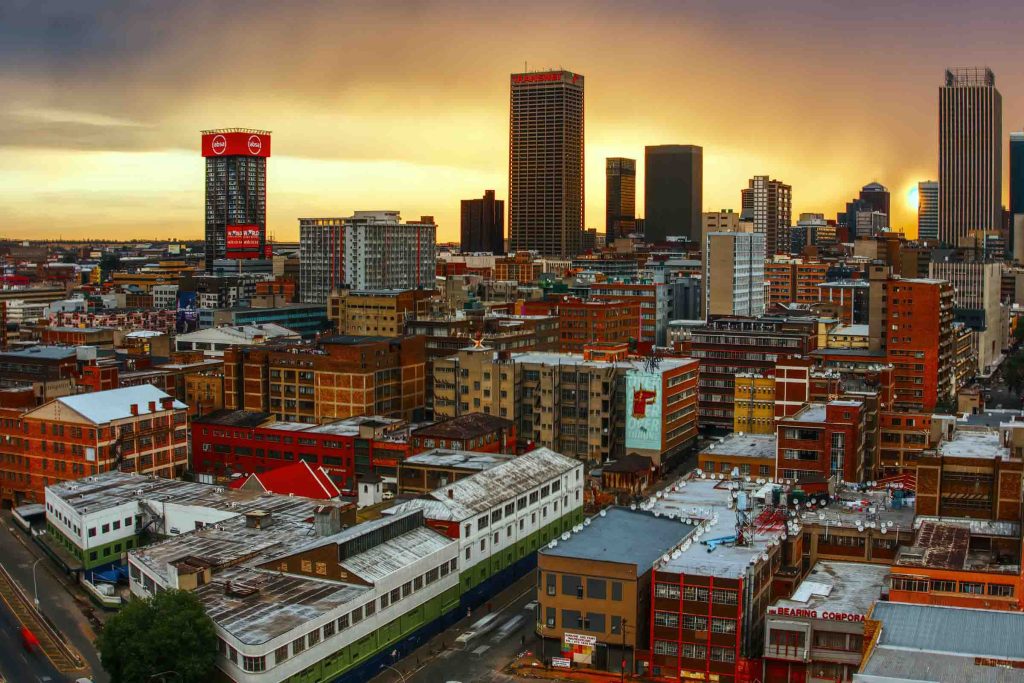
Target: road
<point>484,659</point>
<point>15,663</point>
<point>18,553</point>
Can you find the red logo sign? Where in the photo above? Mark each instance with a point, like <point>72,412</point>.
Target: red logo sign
<point>641,399</point>
<point>219,144</point>
<point>243,241</point>
<point>255,144</point>
<point>230,144</point>
<point>537,78</point>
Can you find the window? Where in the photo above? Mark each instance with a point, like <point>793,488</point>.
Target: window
<point>549,582</point>
<point>972,587</point>
<point>666,647</point>
<point>298,645</point>
<point>431,576</point>
<point>670,619</point>
<point>280,654</point>
<point>313,637</point>
<point>406,589</point>
<point>571,585</point>
<point>357,615</point>
<point>830,640</point>
<point>723,626</point>
<point>255,664</point>
<point>417,583</point>
<point>1000,590</point>
<point>106,529</point>
<point>723,654</point>
<point>549,617</point>
<point>695,593</point>
<point>786,640</point>
<point>666,590</point>
<point>597,588</point>
<point>944,586</point>
<point>724,597</point>
<point>907,584</point>
<point>482,522</point>
<point>616,590</point>
<point>343,622</point>
<point>694,623</point>
<point>369,608</point>
<point>329,630</point>
<point>694,651</point>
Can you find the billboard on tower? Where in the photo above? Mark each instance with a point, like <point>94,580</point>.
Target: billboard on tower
<point>644,410</point>
<point>236,144</point>
<point>243,241</point>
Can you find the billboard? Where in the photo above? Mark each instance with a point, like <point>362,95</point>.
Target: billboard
<point>643,410</point>
<point>188,313</point>
<point>242,241</point>
<point>236,144</point>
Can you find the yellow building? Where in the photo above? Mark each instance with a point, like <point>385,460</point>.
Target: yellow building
<point>376,313</point>
<point>848,337</point>
<point>754,400</point>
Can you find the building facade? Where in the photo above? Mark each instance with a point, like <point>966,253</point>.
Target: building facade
<point>734,274</point>
<point>546,168</point>
<point>236,192</point>
<point>673,192</point>
<point>369,250</point>
<point>928,210</point>
<point>620,198</point>
<point>483,224</point>
<point>769,204</point>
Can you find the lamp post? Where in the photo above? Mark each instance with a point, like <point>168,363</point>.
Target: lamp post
<point>394,658</point>
<point>35,584</point>
<point>622,663</point>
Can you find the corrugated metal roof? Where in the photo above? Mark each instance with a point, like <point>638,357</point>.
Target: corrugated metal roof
<point>952,630</point>
<point>378,562</point>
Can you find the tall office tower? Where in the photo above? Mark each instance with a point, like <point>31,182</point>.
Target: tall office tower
<point>236,192</point>
<point>970,154</point>
<point>734,274</point>
<point>877,197</point>
<point>673,192</point>
<point>545,165</point>
<point>1016,245</point>
<point>769,204</point>
<point>370,250</point>
<point>483,224</point>
<point>928,210</point>
<point>620,198</point>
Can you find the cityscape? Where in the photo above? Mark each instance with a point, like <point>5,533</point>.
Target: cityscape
<point>677,428</point>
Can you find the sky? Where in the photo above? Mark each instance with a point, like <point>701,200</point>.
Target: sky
<point>404,105</point>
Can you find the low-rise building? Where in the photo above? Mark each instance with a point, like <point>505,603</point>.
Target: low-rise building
<point>213,341</point>
<point>381,313</point>
<point>826,439</point>
<point>751,455</point>
<point>433,469</point>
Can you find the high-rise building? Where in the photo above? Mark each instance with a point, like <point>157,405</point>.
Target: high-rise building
<point>483,224</point>
<point>236,192</point>
<point>545,180</point>
<point>673,192</point>
<point>769,204</point>
<point>734,274</point>
<point>370,250</point>
<point>620,198</point>
<point>877,195</point>
<point>928,210</point>
<point>1016,232</point>
<point>970,154</point>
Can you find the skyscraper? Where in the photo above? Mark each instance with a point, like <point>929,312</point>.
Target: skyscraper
<point>483,224</point>
<point>370,250</point>
<point>970,153</point>
<point>545,179</point>
<point>877,196</point>
<point>1016,243</point>
<point>236,192</point>
<point>928,210</point>
<point>673,192</point>
<point>620,198</point>
<point>734,274</point>
<point>769,204</point>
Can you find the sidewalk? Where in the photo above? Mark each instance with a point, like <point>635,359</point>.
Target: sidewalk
<point>531,667</point>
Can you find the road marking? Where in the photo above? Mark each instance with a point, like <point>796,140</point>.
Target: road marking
<point>482,649</point>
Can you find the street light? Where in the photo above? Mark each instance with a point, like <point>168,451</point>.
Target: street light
<point>35,585</point>
<point>394,657</point>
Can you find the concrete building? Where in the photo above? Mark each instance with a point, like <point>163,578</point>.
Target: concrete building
<point>381,313</point>
<point>769,204</point>
<point>582,323</point>
<point>620,198</point>
<point>970,154</point>
<point>750,455</point>
<point>976,303</point>
<point>823,440</point>
<point>653,297</point>
<point>673,192</point>
<point>483,225</point>
<point>213,341</point>
<point>236,192</point>
<point>928,210</point>
<point>369,250</point>
<point>1015,245</point>
<point>734,277</point>
<point>546,167</point>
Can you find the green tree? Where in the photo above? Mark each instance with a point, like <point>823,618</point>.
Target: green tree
<point>1013,372</point>
<point>109,262</point>
<point>167,632</point>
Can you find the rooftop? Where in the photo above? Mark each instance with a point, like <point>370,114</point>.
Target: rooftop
<point>233,418</point>
<point>572,359</point>
<point>974,443</point>
<point>623,536</point>
<point>847,587</point>
<point>42,352</point>
<point>101,407</point>
<point>812,412</point>
<point>941,545</point>
<point>744,445</point>
<point>465,426</point>
<point>467,460</point>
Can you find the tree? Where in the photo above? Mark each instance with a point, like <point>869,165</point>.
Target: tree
<point>109,262</point>
<point>167,632</point>
<point>1013,372</point>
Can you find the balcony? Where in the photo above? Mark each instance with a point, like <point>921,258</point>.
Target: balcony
<point>789,654</point>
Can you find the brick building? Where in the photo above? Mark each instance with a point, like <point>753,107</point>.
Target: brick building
<point>584,322</point>
<point>824,438</point>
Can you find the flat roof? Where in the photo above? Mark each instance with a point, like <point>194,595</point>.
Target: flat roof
<point>974,443</point>
<point>465,426</point>
<point>744,445</point>
<point>233,418</point>
<point>467,460</point>
<point>622,536</point>
<point>552,358</point>
<point>848,587</point>
<point>40,351</point>
<point>812,412</point>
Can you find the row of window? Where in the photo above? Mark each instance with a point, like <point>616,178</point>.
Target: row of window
<point>999,590</point>
<point>692,622</point>
<point>694,651</point>
<point>719,596</point>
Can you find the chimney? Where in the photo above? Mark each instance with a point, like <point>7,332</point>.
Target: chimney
<point>135,408</point>
<point>152,406</point>
<point>451,493</point>
<point>167,403</point>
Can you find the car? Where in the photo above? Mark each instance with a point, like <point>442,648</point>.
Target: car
<point>388,495</point>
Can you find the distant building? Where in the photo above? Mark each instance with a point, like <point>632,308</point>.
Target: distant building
<point>970,154</point>
<point>673,192</point>
<point>546,168</point>
<point>212,341</point>
<point>375,312</point>
<point>928,210</point>
<point>369,250</point>
<point>1016,243</point>
<point>620,198</point>
<point>769,204</point>
<point>877,197</point>
<point>483,224</point>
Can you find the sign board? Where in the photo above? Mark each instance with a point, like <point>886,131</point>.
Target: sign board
<point>236,144</point>
<point>561,662</point>
<point>643,416</point>
<point>578,639</point>
<point>815,614</point>
<point>242,237</point>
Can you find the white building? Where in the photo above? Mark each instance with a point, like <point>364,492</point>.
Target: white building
<point>164,296</point>
<point>734,274</point>
<point>213,341</point>
<point>370,250</point>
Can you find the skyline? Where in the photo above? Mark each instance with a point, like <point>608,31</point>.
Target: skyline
<point>101,125</point>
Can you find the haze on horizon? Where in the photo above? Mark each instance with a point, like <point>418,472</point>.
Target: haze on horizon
<point>404,105</point>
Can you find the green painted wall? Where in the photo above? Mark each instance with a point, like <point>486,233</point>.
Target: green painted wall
<point>94,557</point>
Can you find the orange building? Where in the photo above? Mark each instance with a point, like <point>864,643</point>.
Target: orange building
<point>135,429</point>
<point>520,267</point>
<point>919,341</point>
<point>583,322</point>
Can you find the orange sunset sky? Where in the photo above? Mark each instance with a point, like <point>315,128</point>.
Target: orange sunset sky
<point>404,105</point>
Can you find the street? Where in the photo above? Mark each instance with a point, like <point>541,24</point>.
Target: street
<point>18,553</point>
<point>15,663</point>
